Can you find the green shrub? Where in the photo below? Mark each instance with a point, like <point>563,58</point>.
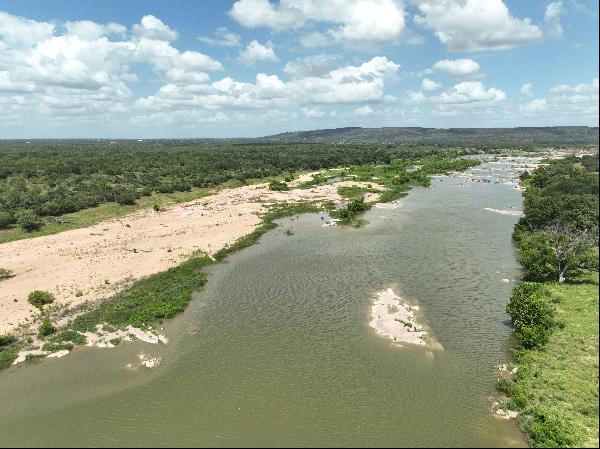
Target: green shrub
<point>8,354</point>
<point>46,329</point>
<point>39,298</point>
<point>6,219</point>
<point>55,347</point>
<point>70,336</point>
<point>278,186</point>
<point>531,314</point>
<point>5,274</point>
<point>7,339</point>
<point>126,198</point>
<point>29,221</point>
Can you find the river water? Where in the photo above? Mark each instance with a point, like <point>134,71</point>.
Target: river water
<point>277,349</point>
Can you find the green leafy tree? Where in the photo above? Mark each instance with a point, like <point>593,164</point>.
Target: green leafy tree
<point>531,314</point>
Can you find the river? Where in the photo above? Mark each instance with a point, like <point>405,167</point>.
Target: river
<point>277,349</point>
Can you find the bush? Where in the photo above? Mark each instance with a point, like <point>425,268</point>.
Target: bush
<point>278,186</point>
<point>6,219</point>
<point>39,298</point>
<point>7,339</point>
<point>46,328</point>
<point>29,221</point>
<point>531,314</point>
<point>5,274</point>
<point>126,198</point>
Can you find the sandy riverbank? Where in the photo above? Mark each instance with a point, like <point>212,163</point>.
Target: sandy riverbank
<point>93,263</point>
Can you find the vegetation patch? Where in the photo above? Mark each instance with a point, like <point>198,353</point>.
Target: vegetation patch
<point>555,387</point>
<point>39,298</point>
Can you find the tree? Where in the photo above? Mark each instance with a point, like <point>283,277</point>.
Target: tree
<point>571,248</point>
<point>531,314</point>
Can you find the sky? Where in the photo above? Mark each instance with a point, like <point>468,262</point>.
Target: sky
<point>247,68</point>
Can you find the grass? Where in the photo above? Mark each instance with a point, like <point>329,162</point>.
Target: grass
<point>352,193</point>
<point>557,388</point>
<point>150,299</point>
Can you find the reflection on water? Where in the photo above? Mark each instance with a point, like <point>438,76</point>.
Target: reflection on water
<point>277,350</point>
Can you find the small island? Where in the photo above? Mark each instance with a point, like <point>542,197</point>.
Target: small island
<point>394,318</point>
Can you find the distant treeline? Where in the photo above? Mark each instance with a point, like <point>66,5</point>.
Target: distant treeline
<point>519,138</point>
<point>55,177</point>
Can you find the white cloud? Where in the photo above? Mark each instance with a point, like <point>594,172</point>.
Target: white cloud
<point>256,52</point>
<point>344,85</point>
<point>363,111</point>
<point>151,27</point>
<point>527,89</point>
<point>553,28</point>
<point>457,67</point>
<point>565,103</point>
<point>224,38</point>
<point>315,65</point>
<point>85,71</point>
<point>312,112</point>
<point>19,32</point>
<point>429,85</point>
<point>476,25</point>
<point>314,39</point>
<point>533,106</point>
<point>469,92</point>
<point>356,22</point>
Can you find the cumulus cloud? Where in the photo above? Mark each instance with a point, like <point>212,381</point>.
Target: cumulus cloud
<point>476,25</point>
<point>86,69</point>
<point>363,111</point>
<point>19,32</point>
<point>536,105</point>
<point>552,26</point>
<point>565,102</point>
<point>256,52</point>
<point>312,112</point>
<point>428,85</point>
<point>469,92</point>
<point>457,67</point>
<point>315,65</point>
<point>345,85</point>
<point>527,89</point>
<point>364,22</point>
<point>151,27</point>
<point>223,37</point>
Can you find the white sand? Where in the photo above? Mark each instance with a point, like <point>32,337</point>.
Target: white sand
<point>395,319</point>
<point>94,263</point>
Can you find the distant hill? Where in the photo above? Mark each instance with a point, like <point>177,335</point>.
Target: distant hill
<point>468,137</point>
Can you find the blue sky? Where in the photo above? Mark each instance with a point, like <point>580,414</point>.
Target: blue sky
<point>234,68</point>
